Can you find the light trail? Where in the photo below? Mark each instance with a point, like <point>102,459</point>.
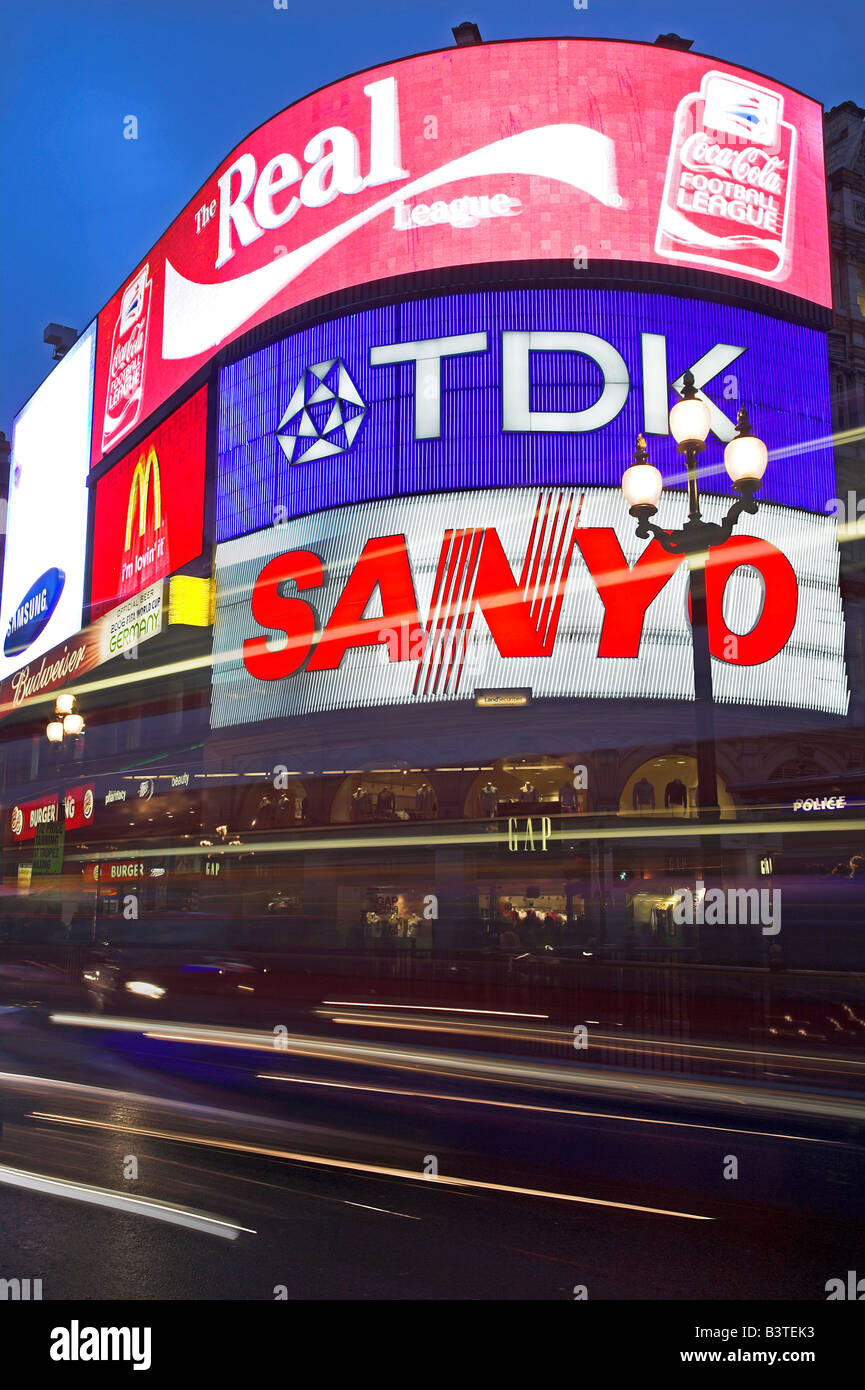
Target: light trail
<point>549,1109</point>
<point>507,1072</point>
<point>375,1169</point>
<point>385,1210</point>
<point>613,1042</point>
<point>119,1201</point>
<point>339,840</point>
<point>430,1008</point>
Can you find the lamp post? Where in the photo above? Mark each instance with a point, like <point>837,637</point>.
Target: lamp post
<point>745,459</point>
<point>66,724</point>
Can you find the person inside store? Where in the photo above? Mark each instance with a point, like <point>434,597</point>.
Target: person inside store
<point>509,939</point>
<point>532,930</point>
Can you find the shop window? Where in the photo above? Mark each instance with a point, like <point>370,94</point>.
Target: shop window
<point>667,786</point>
<point>537,785</point>
<point>385,796</point>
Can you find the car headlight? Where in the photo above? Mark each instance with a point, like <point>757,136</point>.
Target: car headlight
<point>145,988</point>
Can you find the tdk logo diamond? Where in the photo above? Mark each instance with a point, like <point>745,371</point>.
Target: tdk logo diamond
<point>324,414</point>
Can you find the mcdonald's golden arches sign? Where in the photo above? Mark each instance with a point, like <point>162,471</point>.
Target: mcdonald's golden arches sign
<point>150,508</point>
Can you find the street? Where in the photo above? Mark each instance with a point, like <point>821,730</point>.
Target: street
<point>345,1177</point>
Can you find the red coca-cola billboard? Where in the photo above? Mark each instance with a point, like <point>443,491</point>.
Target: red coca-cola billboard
<point>149,512</point>
<point>555,149</point>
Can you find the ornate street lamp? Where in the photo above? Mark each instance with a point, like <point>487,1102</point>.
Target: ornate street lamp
<point>66,722</point>
<point>745,459</point>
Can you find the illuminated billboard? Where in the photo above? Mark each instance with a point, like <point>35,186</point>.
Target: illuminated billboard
<point>149,511</point>
<point>428,599</point>
<point>566,150</point>
<point>512,387</point>
<point>26,818</point>
<point>46,524</point>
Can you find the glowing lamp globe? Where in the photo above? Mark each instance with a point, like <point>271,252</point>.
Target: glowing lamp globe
<point>690,422</point>
<point>642,485</point>
<point>745,459</point>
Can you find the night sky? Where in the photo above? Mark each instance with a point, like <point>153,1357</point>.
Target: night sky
<point>82,205</point>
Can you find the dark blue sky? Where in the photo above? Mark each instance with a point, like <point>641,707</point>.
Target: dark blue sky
<point>82,205</point>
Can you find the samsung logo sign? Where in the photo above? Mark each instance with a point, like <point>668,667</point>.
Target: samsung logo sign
<point>34,612</point>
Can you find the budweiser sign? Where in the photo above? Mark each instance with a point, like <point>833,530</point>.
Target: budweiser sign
<point>129,624</point>
<point>52,671</point>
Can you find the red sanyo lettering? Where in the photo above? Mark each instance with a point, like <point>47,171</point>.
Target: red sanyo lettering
<point>383,565</point>
<point>509,616</point>
<point>780,603</point>
<point>626,593</point>
<point>275,611</point>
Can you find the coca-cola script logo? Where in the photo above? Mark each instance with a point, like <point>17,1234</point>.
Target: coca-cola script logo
<point>751,166</point>
<point>128,355</point>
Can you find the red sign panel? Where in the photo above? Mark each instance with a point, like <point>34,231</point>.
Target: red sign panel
<point>26,816</point>
<point>150,508</point>
<point>574,150</point>
<point>114,871</point>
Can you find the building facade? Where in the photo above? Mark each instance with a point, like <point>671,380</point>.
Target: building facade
<point>367,653</point>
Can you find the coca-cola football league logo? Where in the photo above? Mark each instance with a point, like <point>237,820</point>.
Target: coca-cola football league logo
<point>128,355</point>
<point>726,198</point>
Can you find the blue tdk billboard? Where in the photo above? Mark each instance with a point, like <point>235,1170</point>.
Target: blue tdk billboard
<point>516,388</point>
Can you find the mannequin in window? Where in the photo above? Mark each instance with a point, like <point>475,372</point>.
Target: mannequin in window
<point>361,805</point>
<point>644,795</point>
<point>488,800</point>
<point>527,792</point>
<point>568,797</point>
<point>386,803</point>
<point>264,814</point>
<point>425,801</point>
<point>676,795</point>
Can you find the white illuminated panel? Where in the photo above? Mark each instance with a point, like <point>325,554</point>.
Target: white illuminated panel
<point>807,672</point>
<point>47,515</point>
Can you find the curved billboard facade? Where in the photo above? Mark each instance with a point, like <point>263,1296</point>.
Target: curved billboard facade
<point>513,387</point>
<point>429,599</point>
<point>568,151</point>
